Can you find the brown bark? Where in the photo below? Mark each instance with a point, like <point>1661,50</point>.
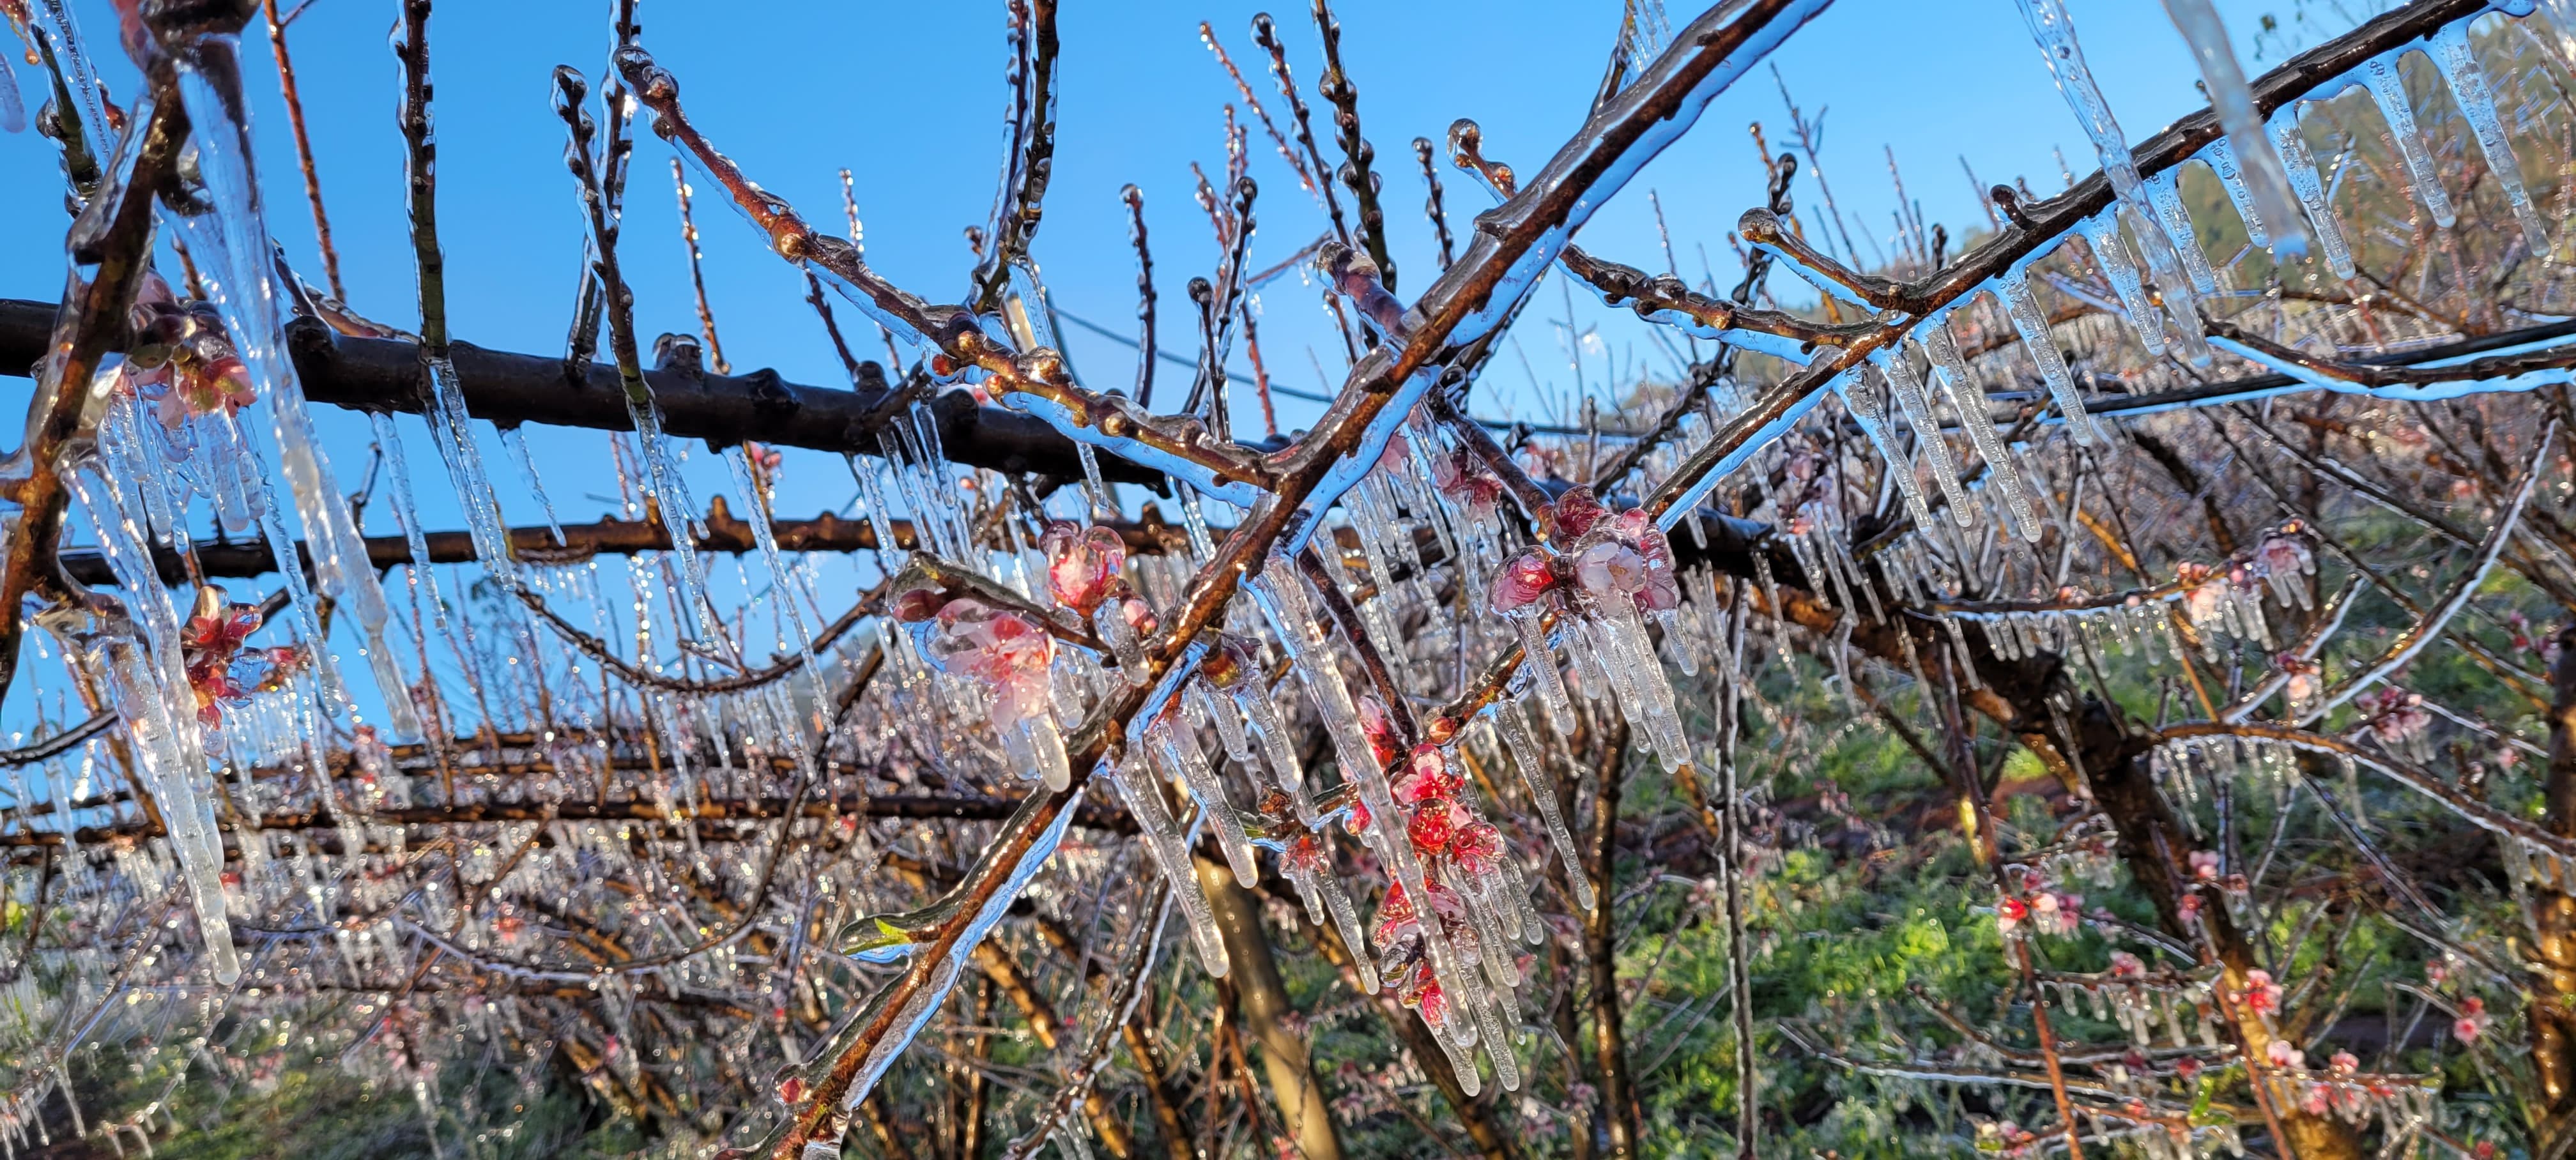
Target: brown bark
<point>1263,1001</point>
<point>2553,914</point>
<point>1621,1112</point>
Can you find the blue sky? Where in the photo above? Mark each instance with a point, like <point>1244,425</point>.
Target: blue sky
<point>910,97</point>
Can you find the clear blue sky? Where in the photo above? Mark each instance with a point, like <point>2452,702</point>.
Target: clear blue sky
<point>911,97</point>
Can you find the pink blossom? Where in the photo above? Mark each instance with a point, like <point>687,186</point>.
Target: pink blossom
<point>2204,865</point>
<point>1081,562</point>
<point>1306,855</point>
<point>1426,777</point>
<point>1432,826</point>
<point>1477,848</point>
<point>1572,515</point>
<point>1609,570</point>
<point>2473,1020</point>
<point>1458,476</point>
<point>1379,725</point>
<point>2126,966</point>
<point>2284,555</point>
<point>2009,913</point>
<point>2395,715</point>
<point>2262,995</point>
<point>1522,580</point>
<point>2281,1054</point>
<point>1005,651</point>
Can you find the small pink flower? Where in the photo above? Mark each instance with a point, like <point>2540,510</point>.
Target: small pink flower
<point>1572,515</point>
<point>1610,570</point>
<point>2126,966</point>
<point>1306,855</point>
<point>1003,650</point>
<point>1379,726</point>
<point>1477,848</point>
<point>1523,579</point>
<point>2284,555</point>
<point>2282,1054</point>
<point>1426,777</point>
<point>1432,826</point>
<point>1081,563</point>
<point>2473,1020</point>
<point>2204,865</point>
<point>1466,483</point>
<point>2344,1063</point>
<point>2262,995</point>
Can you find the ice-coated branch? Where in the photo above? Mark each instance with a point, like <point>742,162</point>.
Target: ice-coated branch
<point>110,246</point>
<point>2435,378</point>
<point>382,374</point>
<point>1665,299</point>
<point>1030,164</point>
<point>924,807</point>
<point>2033,230</point>
<point>2411,641</point>
<point>1514,244</point>
<point>1359,173</point>
<point>1179,445</point>
<point>722,533</point>
<point>2440,790</point>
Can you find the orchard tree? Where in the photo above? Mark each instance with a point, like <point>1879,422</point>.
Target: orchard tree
<point>2093,684</point>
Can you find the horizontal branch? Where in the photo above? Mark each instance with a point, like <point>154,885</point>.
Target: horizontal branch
<point>726,533</point>
<point>383,374</point>
<point>925,807</point>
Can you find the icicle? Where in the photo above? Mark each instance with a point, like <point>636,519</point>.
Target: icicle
<point>670,492</point>
<point>2165,195</point>
<point>1194,520</point>
<point>1643,692</point>
<point>2013,286</point>
<point>13,109</point>
<point>879,516</point>
<point>2221,156</point>
<point>1109,622</point>
<point>783,584</point>
<point>1539,658</point>
<point>1253,696</point>
<point>1508,719</point>
<point>2055,36</point>
<point>515,442</point>
<point>2102,235</point>
<point>150,690</point>
<point>2388,88</point>
<point>2302,168</point>
<point>2261,190</point>
<point>2468,82</point>
<point>1927,431</point>
<point>55,27</point>
<point>1870,413</point>
<point>1229,724</point>
<point>1346,918</point>
<point>1181,749</point>
<point>1280,591</point>
<point>1171,854</point>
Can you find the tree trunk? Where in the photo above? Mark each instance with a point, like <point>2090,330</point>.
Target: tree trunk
<point>1264,1003</point>
<point>2553,915</point>
<point>1620,1109</point>
<point>2153,845</point>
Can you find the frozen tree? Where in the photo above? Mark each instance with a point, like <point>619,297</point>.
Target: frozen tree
<point>2088,689</point>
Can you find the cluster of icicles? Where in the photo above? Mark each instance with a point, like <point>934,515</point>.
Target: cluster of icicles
<point>1456,905</point>
<point>2272,180</point>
